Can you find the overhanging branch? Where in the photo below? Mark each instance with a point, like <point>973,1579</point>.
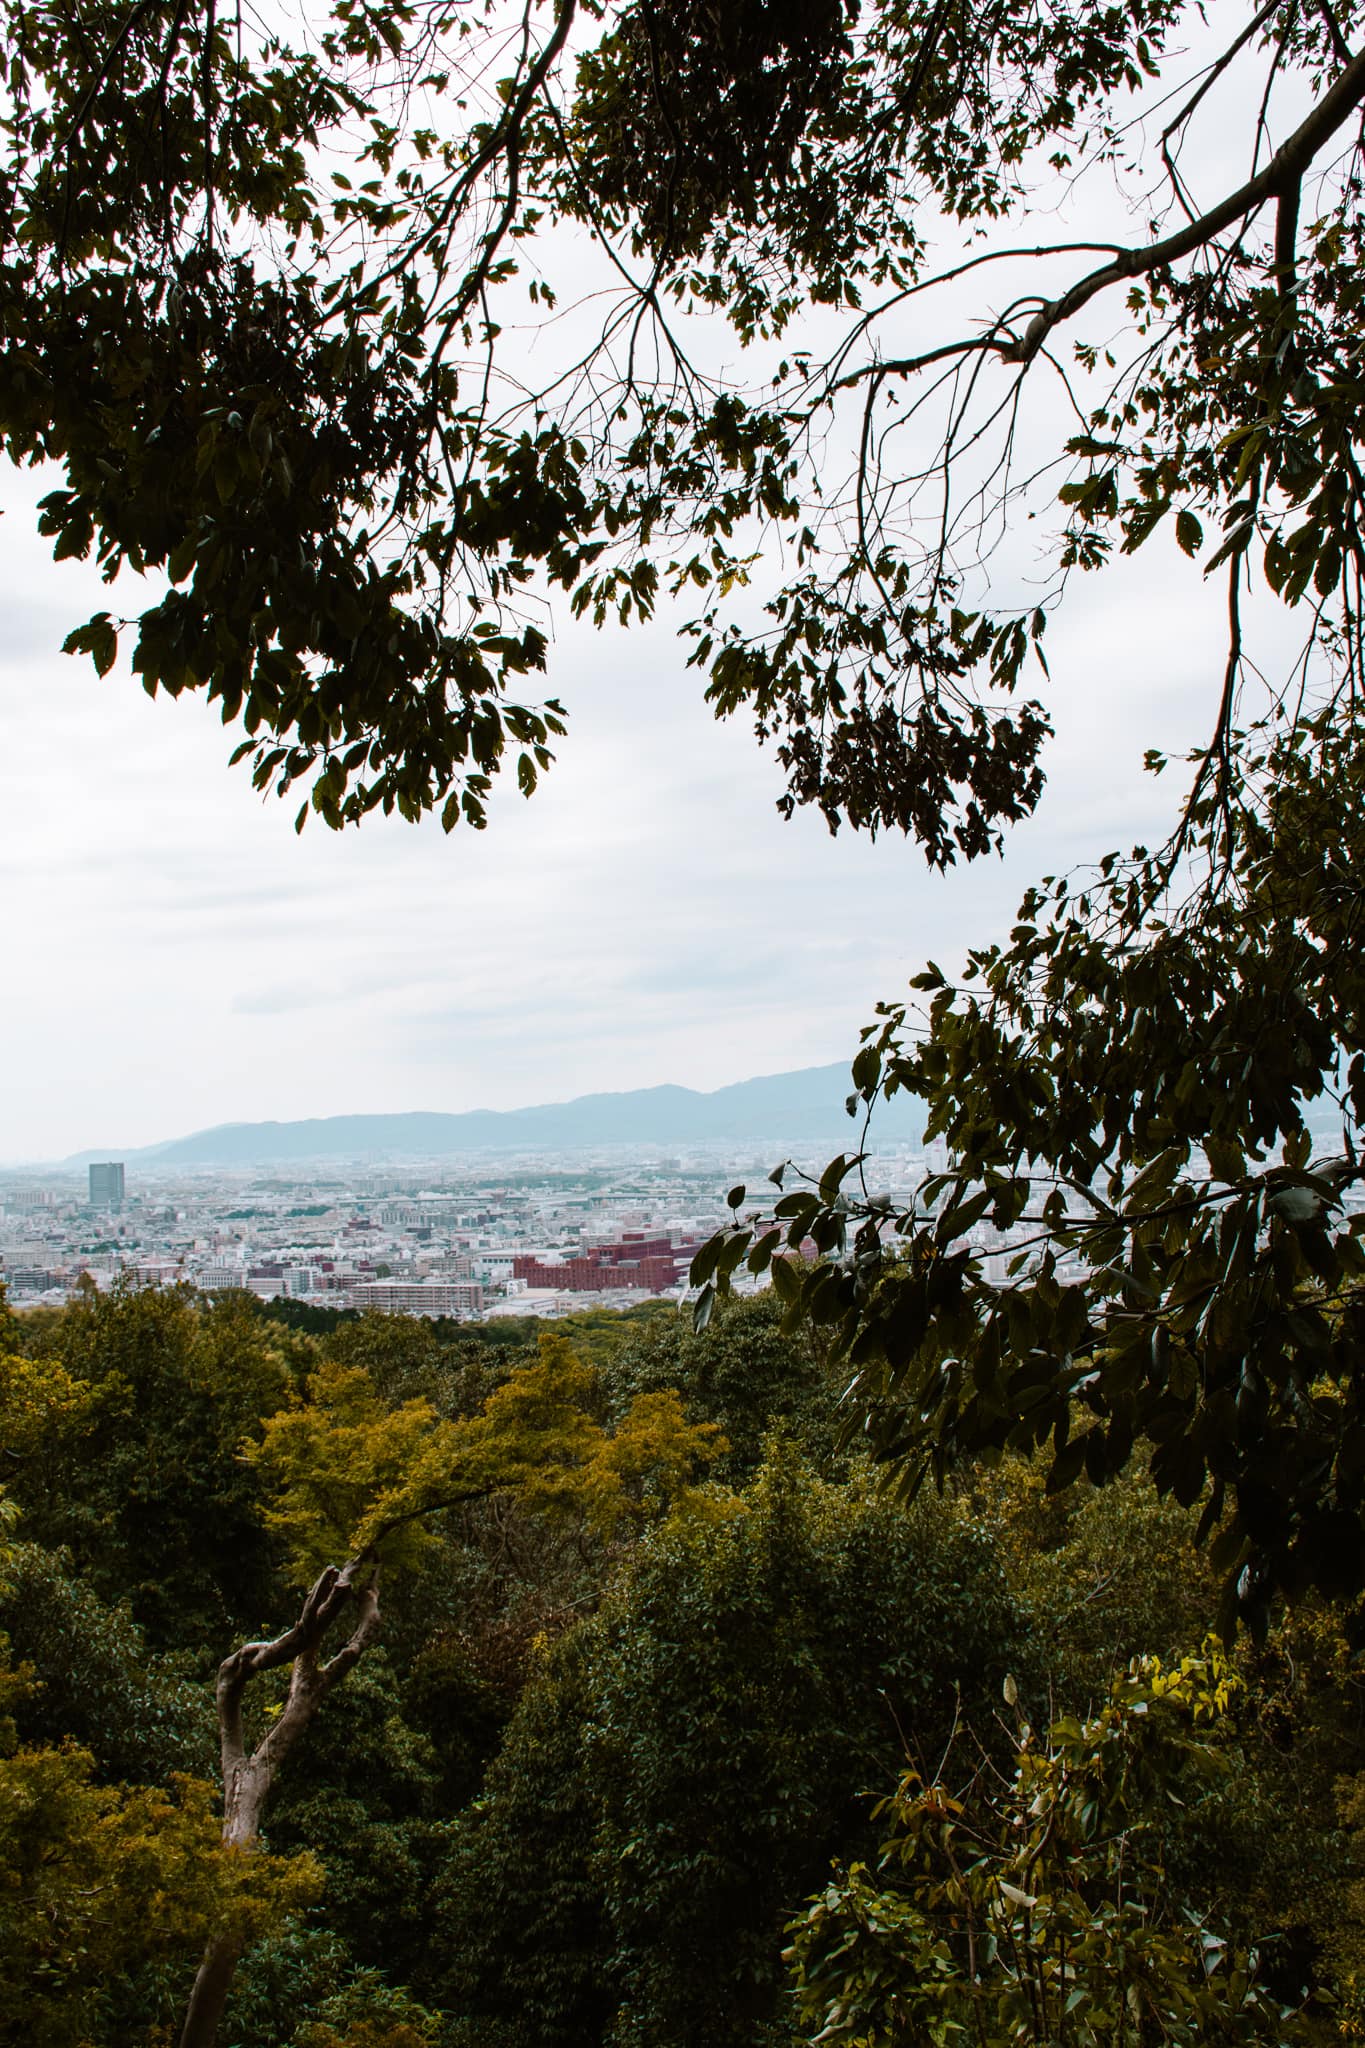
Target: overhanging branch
<point>1280,179</point>
<point>1282,174</point>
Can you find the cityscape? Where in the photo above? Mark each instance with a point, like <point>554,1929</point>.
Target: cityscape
<point>531,1236</point>
<point>486,1215</point>
<point>526,1235</point>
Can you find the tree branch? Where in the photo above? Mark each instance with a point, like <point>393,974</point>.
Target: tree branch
<point>1280,179</point>
<point>125,30</point>
<point>432,1507</point>
<point>505,135</point>
<point>326,1599</point>
<point>1286,243</point>
<point>1205,86</point>
<point>1284,170</point>
<point>1340,46</point>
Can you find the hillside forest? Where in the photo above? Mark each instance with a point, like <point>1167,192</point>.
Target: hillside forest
<point>651,1717</point>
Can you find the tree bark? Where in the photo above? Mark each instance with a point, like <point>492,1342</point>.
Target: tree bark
<point>248,1779</point>
<point>212,1983</point>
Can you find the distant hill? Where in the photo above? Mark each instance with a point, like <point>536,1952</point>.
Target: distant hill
<point>781,1109</point>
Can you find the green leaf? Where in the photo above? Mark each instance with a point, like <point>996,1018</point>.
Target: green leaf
<point>1226,1159</point>
<point>786,1274</point>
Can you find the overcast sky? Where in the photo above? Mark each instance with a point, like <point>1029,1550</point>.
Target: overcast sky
<point>176,957</point>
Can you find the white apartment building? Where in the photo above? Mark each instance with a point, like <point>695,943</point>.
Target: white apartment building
<point>420,1297</point>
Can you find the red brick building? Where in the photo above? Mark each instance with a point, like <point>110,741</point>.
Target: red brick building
<point>652,1264</point>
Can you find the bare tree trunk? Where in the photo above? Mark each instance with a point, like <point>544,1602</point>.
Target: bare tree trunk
<point>248,1779</point>
<point>212,1983</point>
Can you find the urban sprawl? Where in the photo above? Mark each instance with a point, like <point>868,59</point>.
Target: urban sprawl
<point>526,1237</point>
<point>519,1237</point>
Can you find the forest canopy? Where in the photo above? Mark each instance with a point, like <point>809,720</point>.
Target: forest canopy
<point>593,1777</point>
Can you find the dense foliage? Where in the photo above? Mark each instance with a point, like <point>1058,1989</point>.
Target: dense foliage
<point>712,1732</point>
<point>1150,1117</point>
<point>262,291</point>
<point>1048,1913</point>
<point>630,1707</point>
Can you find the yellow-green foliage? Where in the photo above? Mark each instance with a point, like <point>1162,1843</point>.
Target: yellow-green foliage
<point>535,1435</point>
<point>1109,1572</point>
<point>1277,1849</point>
<point>100,1880</point>
<point>362,2034</point>
<point>134,1468</point>
<point>646,1469</point>
<point>9,1515</point>
<point>1346,1939</point>
<point>368,2012</point>
<point>537,1438</point>
<point>15,1686</point>
<point>38,1398</point>
<point>349,1474</point>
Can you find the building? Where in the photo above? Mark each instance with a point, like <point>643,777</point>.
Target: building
<point>420,1297</point>
<point>106,1184</point>
<point>23,1201</point>
<point>653,1265</point>
<point>219,1274</point>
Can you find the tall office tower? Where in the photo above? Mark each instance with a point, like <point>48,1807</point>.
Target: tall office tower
<point>106,1184</point>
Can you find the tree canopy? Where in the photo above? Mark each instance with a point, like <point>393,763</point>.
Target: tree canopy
<point>598,1762</point>
<point>265,296</point>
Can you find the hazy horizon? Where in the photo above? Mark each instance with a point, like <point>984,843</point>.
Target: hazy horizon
<point>186,960</point>
<point>787,1084</point>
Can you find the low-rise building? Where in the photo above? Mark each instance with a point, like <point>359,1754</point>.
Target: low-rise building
<point>462,1298</point>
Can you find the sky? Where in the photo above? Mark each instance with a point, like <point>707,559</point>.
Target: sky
<point>178,958</point>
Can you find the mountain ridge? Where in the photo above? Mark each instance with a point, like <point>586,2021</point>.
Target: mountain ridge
<point>805,1104</point>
